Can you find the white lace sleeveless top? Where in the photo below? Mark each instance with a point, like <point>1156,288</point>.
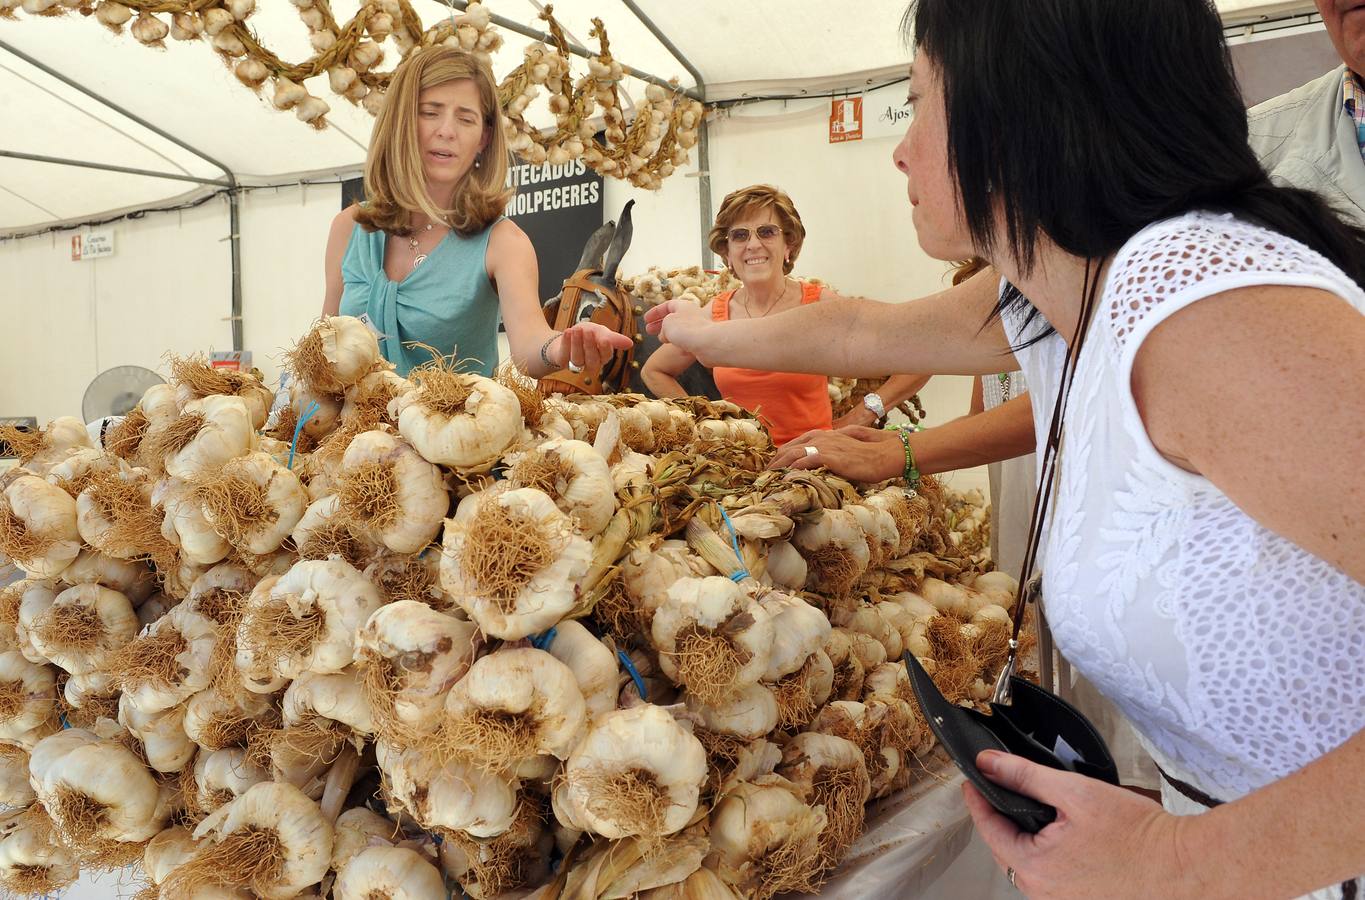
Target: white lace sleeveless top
<point>1239,656</point>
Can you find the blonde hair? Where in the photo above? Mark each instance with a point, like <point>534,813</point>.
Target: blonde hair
<point>395,186</point>
<point>756,198</point>
<point>966,269</point>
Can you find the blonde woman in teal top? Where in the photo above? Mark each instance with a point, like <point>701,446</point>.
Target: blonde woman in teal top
<point>429,257</point>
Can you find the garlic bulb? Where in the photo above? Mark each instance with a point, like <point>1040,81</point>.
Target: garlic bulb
<point>324,532</point>
<point>386,487</point>
<point>786,566</point>
<point>133,580</point>
<point>512,562</point>
<point>162,733</point>
<point>219,595</point>
<point>99,795</point>
<point>457,795</point>
<point>358,828</point>
<point>575,476</point>
<point>159,403</point>
<point>829,772</point>
<point>272,839</point>
<point>307,620</point>
<point>513,704</point>
<point>493,867</point>
<point>766,840</point>
<point>638,772</point>
<point>410,656</point>
<point>593,665</point>
<point>748,714</point>
<point>90,697</point>
<point>82,628</point>
<point>800,694</point>
<point>216,718</point>
<point>35,598</point>
<point>185,526</point>
<point>418,578</point>
<point>319,422</point>
<point>114,515</point>
<point>339,350</point>
<point>74,472</point>
<point>712,637</point>
<point>150,30</point>
<point>38,527</point>
<point>835,550</point>
<point>28,697</point>
<point>169,662</point>
<point>39,451</point>
<point>462,421</point>
<point>172,848</point>
<point>252,501</point>
<point>221,776</point>
<point>393,872</point>
<point>15,791</point>
<point>208,433</point>
<point>313,699</point>
<point>799,630</point>
<point>33,860</point>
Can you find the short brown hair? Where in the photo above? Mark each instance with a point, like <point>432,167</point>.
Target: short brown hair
<point>395,186</point>
<point>753,199</point>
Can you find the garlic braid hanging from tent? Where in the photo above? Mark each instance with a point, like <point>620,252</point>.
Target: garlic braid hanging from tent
<point>643,151</point>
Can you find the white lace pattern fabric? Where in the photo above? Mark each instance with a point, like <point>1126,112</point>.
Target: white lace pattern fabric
<point>1239,656</point>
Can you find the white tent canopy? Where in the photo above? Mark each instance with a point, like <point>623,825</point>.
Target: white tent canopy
<point>186,93</point>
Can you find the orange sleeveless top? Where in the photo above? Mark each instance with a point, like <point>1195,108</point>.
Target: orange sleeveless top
<point>788,403</point>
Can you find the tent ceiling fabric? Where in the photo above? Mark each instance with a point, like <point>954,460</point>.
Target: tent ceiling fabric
<point>186,91</point>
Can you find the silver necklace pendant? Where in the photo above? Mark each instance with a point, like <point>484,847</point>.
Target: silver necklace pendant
<point>419,260</point>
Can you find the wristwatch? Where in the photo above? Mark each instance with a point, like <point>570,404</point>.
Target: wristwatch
<point>873,402</point>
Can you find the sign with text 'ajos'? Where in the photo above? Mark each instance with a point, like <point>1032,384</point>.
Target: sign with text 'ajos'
<point>876,114</point>
<point>558,207</point>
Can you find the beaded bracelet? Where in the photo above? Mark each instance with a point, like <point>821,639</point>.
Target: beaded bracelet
<point>545,347</point>
<point>911,473</point>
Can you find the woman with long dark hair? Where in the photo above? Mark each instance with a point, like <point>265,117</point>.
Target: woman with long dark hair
<point>1204,553</point>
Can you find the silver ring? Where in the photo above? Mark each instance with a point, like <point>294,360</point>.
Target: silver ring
<point>574,368</point>
<point>1009,876</point>
<point>811,451</point>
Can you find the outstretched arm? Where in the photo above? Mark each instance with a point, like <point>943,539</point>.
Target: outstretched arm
<point>941,333</point>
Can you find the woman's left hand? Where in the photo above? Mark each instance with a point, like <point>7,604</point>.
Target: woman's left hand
<point>587,345</point>
<point>1106,841</point>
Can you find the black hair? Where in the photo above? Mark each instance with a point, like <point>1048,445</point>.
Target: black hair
<point>1092,119</point>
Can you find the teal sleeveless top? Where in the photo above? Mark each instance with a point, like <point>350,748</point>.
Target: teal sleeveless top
<point>446,302</point>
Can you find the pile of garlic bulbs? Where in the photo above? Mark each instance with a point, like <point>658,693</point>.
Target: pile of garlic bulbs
<point>459,633</point>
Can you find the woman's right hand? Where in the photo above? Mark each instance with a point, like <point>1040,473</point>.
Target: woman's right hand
<point>856,453</point>
<point>681,323</point>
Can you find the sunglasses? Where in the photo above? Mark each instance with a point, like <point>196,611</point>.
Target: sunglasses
<point>764,232</point>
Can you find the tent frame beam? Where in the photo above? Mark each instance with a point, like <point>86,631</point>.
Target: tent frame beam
<point>109,167</point>
<point>234,213</point>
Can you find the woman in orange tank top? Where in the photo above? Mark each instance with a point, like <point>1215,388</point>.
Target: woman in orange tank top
<point>759,234</point>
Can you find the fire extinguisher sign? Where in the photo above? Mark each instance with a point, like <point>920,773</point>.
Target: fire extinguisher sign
<point>846,120</point>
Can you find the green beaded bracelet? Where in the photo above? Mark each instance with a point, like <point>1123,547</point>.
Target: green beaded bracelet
<point>911,473</point>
